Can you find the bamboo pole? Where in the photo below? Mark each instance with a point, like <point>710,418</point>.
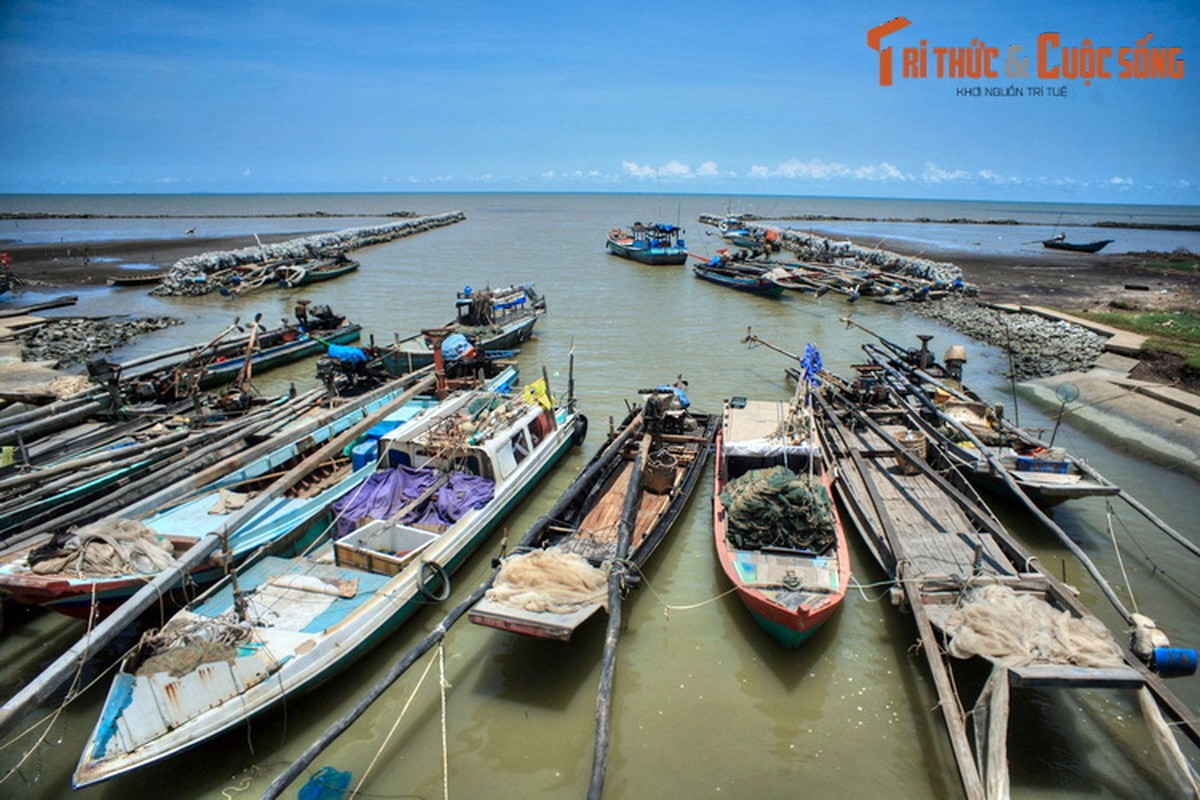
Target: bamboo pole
<point>53,676</point>
<point>617,574</point>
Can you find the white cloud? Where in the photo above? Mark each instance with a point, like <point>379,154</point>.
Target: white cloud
<point>935,174</point>
<point>1120,183</point>
<point>672,169</point>
<point>707,170</point>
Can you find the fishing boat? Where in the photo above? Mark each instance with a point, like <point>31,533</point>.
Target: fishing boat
<point>135,279</point>
<point>778,537</point>
<point>556,578</point>
<point>1060,243</point>
<point>492,320</point>
<point>275,348</point>
<point>973,591</point>
<point>94,568</point>
<point>743,280</point>
<point>655,244</point>
<point>304,273</point>
<point>447,479</point>
<point>976,435</point>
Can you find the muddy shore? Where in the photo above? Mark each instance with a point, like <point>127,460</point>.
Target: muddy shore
<point>1070,281</point>
<point>93,263</point>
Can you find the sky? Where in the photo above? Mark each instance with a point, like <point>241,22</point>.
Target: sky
<point>672,97</point>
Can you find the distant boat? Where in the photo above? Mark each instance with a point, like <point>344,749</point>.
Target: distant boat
<point>306,272</point>
<point>657,244</point>
<point>133,279</point>
<point>1059,243</point>
<point>778,537</point>
<point>740,279</point>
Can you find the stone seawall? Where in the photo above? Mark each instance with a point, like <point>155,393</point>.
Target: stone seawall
<point>810,247</point>
<point>189,276</point>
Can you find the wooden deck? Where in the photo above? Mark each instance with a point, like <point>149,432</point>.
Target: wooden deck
<point>937,537</point>
<point>596,536</point>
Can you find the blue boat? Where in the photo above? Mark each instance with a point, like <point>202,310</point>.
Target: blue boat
<point>656,244</point>
<point>741,279</point>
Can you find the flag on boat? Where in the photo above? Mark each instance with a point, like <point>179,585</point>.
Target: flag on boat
<point>536,394</point>
<point>811,364</point>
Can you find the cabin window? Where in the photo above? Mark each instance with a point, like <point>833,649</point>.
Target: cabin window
<point>520,446</point>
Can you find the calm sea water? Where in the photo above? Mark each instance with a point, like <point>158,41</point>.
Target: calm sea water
<point>706,704</point>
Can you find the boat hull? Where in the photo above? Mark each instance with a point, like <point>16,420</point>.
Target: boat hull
<point>1082,247</point>
<point>742,283</point>
<point>213,701</point>
<point>654,256</point>
<point>790,617</point>
<point>223,372</point>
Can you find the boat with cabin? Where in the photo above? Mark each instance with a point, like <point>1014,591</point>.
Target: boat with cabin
<point>493,320</point>
<point>655,244</point>
<point>278,627</point>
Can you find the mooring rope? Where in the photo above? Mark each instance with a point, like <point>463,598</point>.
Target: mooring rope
<point>395,725</point>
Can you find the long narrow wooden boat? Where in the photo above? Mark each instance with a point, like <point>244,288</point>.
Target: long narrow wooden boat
<point>655,244</point>
<point>741,280</point>
<point>492,320</point>
<point>975,435</point>
<point>276,348</point>
<point>448,479</point>
<point>136,279</point>
<point>578,539</point>
<point>75,571</point>
<point>1077,247</point>
<point>973,591</point>
<point>778,537</point>
<point>304,273</point>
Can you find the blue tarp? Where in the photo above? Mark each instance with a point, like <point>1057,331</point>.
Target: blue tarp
<point>347,354</point>
<point>455,346</point>
<point>680,393</point>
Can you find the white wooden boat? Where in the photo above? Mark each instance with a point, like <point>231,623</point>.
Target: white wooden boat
<point>285,625</point>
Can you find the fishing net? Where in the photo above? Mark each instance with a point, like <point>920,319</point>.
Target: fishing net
<point>775,507</point>
<point>107,547</point>
<point>1018,629</point>
<point>550,580</point>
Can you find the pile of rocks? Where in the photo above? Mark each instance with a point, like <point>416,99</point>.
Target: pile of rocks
<point>1039,346</point>
<point>810,247</point>
<point>75,341</point>
<point>189,276</point>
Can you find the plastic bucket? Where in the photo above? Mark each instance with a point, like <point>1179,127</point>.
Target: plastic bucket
<point>1174,662</point>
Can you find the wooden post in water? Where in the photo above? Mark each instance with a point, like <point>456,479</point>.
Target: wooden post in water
<point>616,585</point>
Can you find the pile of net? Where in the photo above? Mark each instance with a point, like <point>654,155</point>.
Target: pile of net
<point>107,547</point>
<point>552,581</point>
<point>775,507</point>
<point>1018,629</point>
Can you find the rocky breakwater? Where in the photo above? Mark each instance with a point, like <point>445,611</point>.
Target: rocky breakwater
<point>811,247</point>
<point>1040,347</point>
<point>76,340</point>
<point>190,276</point>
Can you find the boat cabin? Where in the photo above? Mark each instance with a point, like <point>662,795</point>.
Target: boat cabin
<point>436,472</point>
<point>766,433</point>
<point>483,307</point>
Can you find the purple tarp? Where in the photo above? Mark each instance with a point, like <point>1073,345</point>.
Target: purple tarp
<point>387,491</point>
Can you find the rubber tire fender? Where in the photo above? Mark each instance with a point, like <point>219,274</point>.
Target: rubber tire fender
<point>581,429</point>
<point>438,572</point>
